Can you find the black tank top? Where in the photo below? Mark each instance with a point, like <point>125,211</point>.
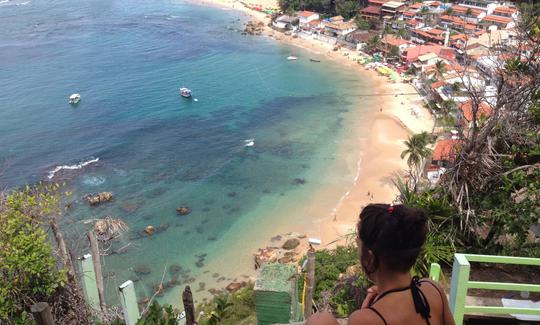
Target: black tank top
<point>421,304</point>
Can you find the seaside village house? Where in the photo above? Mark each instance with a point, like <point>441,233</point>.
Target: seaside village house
<point>337,27</point>
<point>465,115</point>
<point>443,155</point>
<point>284,23</point>
<point>306,17</point>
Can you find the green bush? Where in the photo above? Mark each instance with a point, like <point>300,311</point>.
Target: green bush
<point>28,271</point>
<point>230,309</point>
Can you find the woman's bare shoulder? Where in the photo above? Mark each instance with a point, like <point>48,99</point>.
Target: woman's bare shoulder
<point>364,316</point>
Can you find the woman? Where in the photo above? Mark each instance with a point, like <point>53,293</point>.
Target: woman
<point>390,239</point>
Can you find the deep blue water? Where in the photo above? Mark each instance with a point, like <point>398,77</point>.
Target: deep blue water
<point>156,150</point>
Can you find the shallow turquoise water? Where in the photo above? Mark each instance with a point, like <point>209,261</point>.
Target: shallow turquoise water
<point>158,151</point>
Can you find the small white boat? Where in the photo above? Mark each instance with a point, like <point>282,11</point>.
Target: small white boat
<point>74,99</point>
<point>185,92</point>
<point>249,143</point>
<point>292,58</point>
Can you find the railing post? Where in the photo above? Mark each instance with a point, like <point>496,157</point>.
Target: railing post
<point>435,272</point>
<point>89,282</point>
<point>458,290</point>
<point>310,284</point>
<point>189,308</point>
<point>42,313</point>
<point>128,299</point>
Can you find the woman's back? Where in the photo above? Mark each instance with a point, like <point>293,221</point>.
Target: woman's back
<point>398,307</point>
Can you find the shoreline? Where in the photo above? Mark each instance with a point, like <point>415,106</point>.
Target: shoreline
<point>379,157</point>
<point>378,142</point>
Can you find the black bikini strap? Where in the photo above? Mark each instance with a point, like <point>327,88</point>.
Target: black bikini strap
<point>379,297</point>
<point>421,304</point>
<point>378,314</point>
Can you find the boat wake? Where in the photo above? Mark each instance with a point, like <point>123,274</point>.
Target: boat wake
<point>249,143</point>
<point>80,165</point>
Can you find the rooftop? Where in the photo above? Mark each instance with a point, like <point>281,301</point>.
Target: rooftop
<point>457,9</point>
<point>371,10</point>
<point>392,40</point>
<point>484,109</point>
<point>393,4</point>
<point>504,10</point>
<point>306,14</point>
<point>445,149</point>
<point>497,19</point>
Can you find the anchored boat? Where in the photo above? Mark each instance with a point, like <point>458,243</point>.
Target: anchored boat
<point>74,99</point>
<point>185,92</point>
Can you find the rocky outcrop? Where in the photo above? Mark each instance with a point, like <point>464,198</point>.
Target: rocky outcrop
<point>183,210</point>
<point>234,286</point>
<point>291,243</point>
<point>287,248</point>
<point>254,27</point>
<point>99,198</point>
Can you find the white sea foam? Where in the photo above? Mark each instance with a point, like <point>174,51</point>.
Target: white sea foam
<point>344,196</point>
<point>93,180</point>
<point>71,167</point>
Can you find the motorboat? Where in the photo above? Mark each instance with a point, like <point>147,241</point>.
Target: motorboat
<point>292,58</point>
<point>314,60</point>
<point>74,99</point>
<point>185,92</point>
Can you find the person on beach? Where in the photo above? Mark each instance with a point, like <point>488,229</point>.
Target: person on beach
<point>390,239</point>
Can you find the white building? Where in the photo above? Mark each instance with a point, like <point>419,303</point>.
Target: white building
<point>305,17</point>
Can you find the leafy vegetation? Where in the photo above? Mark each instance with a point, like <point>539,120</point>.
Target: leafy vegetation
<point>28,269</point>
<point>230,309</point>
<point>159,315</point>
<point>345,8</point>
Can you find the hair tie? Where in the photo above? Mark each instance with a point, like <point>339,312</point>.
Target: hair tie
<point>390,209</point>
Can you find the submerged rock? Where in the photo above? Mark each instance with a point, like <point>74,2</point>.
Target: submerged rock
<point>183,210</point>
<point>142,269</point>
<point>234,286</point>
<point>149,230</point>
<point>298,181</point>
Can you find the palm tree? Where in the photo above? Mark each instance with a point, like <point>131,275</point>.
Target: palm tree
<point>222,306</point>
<point>449,11</point>
<point>416,152</point>
<point>373,43</point>
<point>468,13</point>
<point>440,68</point>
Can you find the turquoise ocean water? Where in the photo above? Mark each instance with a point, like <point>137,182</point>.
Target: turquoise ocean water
<point>156,151</point>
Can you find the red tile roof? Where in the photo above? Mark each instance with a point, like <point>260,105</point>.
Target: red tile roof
<point>484,109</point>
<point>413,22</point>
<point>409,13</point>
<point>459,37</point>
<point>417,5</point>
<point>306,13</point>
<point>371,10</point>
<point>452,19</point>
<point>438,84</point>
<point>463,10</point>
<point>392,40</point>
<point>435,31</point>
<point>378,2</point>
<point>446,149</point>
<point>497,19</point>
<point>504,10</point>
<point>414,52</point>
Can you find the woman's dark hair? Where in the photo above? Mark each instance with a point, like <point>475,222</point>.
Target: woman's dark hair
<point>395,235</point>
